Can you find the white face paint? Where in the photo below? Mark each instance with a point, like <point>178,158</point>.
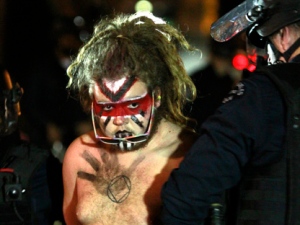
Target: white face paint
<point>123,112</point>
<point>114,86</point>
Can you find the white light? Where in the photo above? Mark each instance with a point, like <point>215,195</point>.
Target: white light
<point>143,5</point>
<point>84,35</point>
<point>79,21</point>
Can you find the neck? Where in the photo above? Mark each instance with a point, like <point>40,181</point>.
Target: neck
<point>165,131</point>
<point>292,51</point>
<point>296,53</point>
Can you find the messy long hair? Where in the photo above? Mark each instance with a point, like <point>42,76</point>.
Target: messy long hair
<point>138,45</point>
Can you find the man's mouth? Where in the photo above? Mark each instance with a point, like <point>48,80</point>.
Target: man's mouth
<point>124,145</point>
<point>123,134</point>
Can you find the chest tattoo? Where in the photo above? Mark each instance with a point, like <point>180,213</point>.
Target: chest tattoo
<point>110,178</point>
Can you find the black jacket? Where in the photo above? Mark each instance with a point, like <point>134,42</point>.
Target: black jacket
<point>248,130</point>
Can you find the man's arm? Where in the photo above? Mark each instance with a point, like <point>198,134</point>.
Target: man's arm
<point>70,167</point>
<point>240,129</point>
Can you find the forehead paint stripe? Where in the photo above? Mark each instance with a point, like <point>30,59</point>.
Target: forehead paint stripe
<point>135,119</point>
<point>121,92</point>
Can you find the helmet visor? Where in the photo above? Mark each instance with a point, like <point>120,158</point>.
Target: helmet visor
<point>236,21</point>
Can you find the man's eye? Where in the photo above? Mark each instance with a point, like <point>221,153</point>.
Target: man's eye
<point>107,107</point>
<point>133,105</point>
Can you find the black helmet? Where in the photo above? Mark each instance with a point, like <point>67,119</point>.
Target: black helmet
<point>266,16</point>
<point>283,13</point>
<point>10,95</point>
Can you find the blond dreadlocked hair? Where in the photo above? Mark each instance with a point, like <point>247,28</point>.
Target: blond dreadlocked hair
<point>138,45</point>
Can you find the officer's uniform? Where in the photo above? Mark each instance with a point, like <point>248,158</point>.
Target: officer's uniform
<point>248,130</point>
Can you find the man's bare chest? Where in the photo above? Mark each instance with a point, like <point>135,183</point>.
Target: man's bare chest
<point>110,192</point>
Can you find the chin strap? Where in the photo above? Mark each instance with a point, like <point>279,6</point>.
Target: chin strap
<point>288,53</point>
<point>125,146</point>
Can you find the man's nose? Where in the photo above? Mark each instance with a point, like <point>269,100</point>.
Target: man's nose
<point>120,120</point>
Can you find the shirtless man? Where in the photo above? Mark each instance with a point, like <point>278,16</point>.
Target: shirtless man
<point>132,80</point>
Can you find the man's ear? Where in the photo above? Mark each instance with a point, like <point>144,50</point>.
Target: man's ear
<point>157,97</point>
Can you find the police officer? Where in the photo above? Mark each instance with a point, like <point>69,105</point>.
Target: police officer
<point>250,146</point>
<point>24,194</point>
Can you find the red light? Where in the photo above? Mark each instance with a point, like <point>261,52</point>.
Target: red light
<point>240,62</point>
<point>251,67</point>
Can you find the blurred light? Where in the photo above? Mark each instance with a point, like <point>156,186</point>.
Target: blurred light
<point>84,35</point>
<point>251,67</point>
<point>240,62</point>
<point>252,62</point>
<point>143,5</point>
<point>209,9</point>
<point>252,58</point>
<point>79,21</point>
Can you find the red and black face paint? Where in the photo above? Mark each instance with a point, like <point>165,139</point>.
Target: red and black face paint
<point>125,119</point>
<point>130,107</point>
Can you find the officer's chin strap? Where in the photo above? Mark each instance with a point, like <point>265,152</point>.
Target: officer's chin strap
<point>288,53</point>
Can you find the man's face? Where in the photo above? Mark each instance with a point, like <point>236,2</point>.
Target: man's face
<point>123,111</point>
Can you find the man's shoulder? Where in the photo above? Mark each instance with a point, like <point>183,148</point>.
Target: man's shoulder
<point>177,139</point>
<point>283,74</point>
<point>172,131</point>
<point>84,139</point>
<point>188,135</point>
<point>258,79</point>
<point>83,143</point>
<point>280,68</point>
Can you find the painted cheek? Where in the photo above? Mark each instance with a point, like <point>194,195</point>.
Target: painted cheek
<point>107,126</point>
